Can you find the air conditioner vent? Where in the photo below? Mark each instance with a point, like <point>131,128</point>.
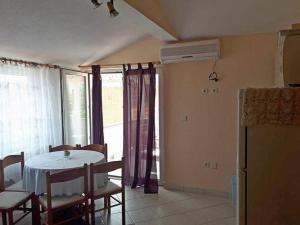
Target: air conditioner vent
<point>190,51</point>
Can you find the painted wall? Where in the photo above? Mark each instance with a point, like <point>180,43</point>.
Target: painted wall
<point>146,50</point>
<point>155,11</point>
<point>210,133</point>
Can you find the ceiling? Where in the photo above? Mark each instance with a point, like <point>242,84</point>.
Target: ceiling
<point>71,32</point>
<point>68,32</point>
<point>211,18</point>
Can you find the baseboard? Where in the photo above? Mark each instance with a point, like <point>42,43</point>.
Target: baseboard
<point>197,190</point>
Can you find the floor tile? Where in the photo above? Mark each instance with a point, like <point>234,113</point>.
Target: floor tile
<point>210,214</point>
<point>167,208</point>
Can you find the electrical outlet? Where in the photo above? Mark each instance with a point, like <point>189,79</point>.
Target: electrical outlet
<point>205,91</point>
<point>214,90</point>
<point>185,118</point>
<point>214,165</point>
<point>206,164</point>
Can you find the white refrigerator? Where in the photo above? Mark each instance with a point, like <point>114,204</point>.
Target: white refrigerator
<point>269,157</point>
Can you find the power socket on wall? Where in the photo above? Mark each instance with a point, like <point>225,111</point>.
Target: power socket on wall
<point>213,90</point>
<point>205,91</point>
<point>211,165</point>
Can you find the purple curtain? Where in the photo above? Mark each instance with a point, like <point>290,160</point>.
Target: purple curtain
<point>97,115</point>
<point>139,128</point>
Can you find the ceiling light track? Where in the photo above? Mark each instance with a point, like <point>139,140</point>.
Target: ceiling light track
<point>110,6</point>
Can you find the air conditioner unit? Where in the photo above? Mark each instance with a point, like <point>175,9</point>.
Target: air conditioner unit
<point>190,51</point>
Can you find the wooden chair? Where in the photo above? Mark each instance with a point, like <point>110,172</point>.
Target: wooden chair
<point>15,197</point>
<point>52,204</point>
<point>108,190</point>
<point>11,201</point>
<point>8,161</point>
<point>97,148</point>
<point>63,147</point>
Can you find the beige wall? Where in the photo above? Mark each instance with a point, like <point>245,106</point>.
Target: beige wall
<point>146,50</point>
<point>210,132</point>
<point>155,11</point>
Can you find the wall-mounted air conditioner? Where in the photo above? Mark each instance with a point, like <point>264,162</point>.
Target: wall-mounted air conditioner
<point>190,51</point>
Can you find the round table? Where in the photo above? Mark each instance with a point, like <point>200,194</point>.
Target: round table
<point>35,169</point>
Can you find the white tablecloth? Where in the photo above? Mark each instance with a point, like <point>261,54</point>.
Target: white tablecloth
<point>34,177</point>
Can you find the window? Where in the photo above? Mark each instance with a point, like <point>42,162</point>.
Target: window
<point>76,108</point>
<point>30,109</point>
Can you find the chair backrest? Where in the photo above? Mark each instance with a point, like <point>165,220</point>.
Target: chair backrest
<point>65,176</point>
<point>106,168</point>
<point>8,161</point>
<point>97,148</point>
<point>63,147</point>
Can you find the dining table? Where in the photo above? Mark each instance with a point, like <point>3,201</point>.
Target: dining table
<point>35,169</point>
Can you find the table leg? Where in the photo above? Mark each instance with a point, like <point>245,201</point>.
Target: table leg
<point>10,217</point>
<point>4,221</point>
<point>36,218</point>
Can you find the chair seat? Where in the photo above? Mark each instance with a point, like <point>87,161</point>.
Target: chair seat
<point>108,189</point>
<point>60,201</point>
<point>16,186</point>
<point>12,199</point>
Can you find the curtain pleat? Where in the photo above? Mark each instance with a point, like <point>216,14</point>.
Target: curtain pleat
<point>97,114</point>
<point>139,128</point>
<point>30,111</point>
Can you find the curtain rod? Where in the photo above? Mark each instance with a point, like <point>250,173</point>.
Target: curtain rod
<point>29,63</point>
<point>117,65</point>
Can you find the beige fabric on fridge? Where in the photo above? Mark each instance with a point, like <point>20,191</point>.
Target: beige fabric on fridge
<point>279,106</point>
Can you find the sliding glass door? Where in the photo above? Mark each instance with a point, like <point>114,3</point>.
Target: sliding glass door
<point>112,101</point>
<point>75,108</point>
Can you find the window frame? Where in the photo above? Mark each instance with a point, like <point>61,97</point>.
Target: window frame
<point>66,72</point>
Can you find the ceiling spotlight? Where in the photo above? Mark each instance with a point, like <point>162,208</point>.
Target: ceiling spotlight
<point>96,3</point>
<point>112,11</point>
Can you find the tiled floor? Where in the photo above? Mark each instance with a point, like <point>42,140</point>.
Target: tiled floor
<point>170,208</point>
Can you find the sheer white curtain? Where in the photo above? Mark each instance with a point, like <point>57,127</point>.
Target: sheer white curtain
<point>30,109</point>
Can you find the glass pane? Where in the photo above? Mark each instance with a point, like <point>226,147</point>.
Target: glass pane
<point>112,100</point>
<point>157,143</point>
<point>75,110</point>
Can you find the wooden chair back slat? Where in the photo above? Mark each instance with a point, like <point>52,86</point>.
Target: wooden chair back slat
<point>13,159</point>
<point>66,175</point>
<point>63,147</point>
<point>106,167</point>
<point>107,195</point>
<point>97,148</point>
<point>8,161</point>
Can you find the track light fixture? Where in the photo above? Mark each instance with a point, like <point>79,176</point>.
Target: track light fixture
<point>111,8</point>
<point>110,5</point>
<point>96,3</point>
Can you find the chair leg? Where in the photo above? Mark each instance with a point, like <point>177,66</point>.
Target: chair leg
<point>10,217</point>
<point>123,209</point>
<point>105,202</point>
<point>4,220</point>
<point>92,212</point>
<point>24,208</point>
<point>49,218</point>
<point>108,204</point>
<point>87,218</point>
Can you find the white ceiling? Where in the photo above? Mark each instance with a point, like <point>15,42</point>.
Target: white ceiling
<point>71,32</point>
<point>68,32</point>
<point>210,18</point>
